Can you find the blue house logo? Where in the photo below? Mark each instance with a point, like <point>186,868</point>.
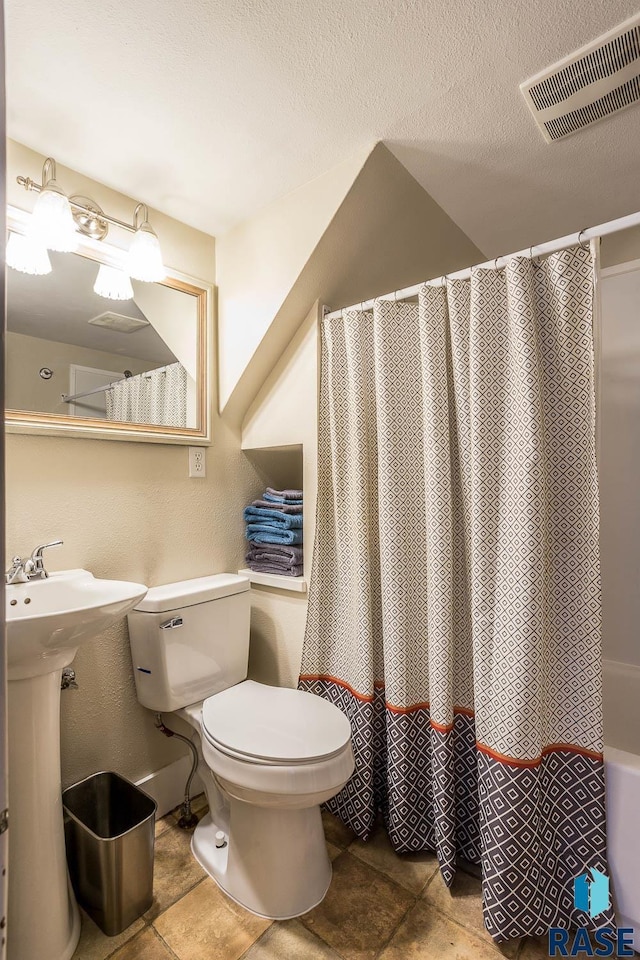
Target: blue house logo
<point>591,895</point>
<point>591,892</point>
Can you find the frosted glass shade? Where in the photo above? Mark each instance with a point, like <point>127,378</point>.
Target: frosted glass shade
<point>51,222</point>
<point>27,255</point>
<point>113,284</point>
<point>144,261</point>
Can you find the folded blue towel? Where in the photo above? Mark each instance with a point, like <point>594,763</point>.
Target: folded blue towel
<point>267,533</point>
<point>274,499</point>
<point>281,521</point>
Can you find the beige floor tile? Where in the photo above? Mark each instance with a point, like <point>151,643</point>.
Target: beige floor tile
<point>333,851</point>
<point>360,911</point>
<point>535,948</point>
<point>95,945</point>
<point>426,934</point>
<point>146,946</point>
<point>411,870</point>
<point>206,925</point>
<point>176,870</point>
<point>463,902</point>
<point>336,832</point>
<point>289,940</point>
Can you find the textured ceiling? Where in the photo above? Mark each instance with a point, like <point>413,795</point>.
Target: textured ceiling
<point>210,109</point>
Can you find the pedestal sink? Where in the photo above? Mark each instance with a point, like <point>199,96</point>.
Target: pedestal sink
<point>47,620</point>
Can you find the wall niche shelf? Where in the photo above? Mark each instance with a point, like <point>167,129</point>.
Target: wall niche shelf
<point>296,584</point>
<point>279,466</point>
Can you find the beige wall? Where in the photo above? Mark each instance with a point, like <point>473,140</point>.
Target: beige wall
<point>286,412</point>
<point>386,234</point>
<point>173,314</point>
<point>25,356</point>
<point>261,259</point>
<point>129,511</point>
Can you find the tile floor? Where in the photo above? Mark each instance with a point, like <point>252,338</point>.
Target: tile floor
<point>379,905</point>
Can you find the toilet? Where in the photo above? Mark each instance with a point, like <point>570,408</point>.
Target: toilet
<point>268,756</point>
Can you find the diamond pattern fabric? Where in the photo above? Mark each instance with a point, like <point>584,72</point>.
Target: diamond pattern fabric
<point>157,397</point>
<point>454,608</point>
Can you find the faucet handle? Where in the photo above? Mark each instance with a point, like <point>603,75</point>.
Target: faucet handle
<point>16,572</point>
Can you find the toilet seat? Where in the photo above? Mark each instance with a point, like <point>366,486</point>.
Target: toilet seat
<point>274,726</point>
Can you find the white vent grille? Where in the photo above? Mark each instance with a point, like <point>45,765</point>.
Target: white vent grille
<point>594,82</point>
<point>119,322</point>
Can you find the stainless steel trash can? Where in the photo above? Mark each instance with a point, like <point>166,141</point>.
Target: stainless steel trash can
<point>109,832</point>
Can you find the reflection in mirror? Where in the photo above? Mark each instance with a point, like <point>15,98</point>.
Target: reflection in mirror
<point>73,353</point>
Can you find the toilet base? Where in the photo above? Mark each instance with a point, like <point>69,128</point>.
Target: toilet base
<point>275,862</point>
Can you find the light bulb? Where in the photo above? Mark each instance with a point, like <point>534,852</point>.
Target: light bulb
<point>27,255</point>
<point>144,260</point>
<point>52,222</point>
<point>113,284</point>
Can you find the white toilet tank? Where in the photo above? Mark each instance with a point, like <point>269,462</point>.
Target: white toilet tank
<point>190,640</point>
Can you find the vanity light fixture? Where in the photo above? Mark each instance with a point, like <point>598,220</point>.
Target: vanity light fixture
<point>27,255</point>
<point>56,222</point>
<point>113,284</point>
<point>52,224</point>
<point>144,261</point>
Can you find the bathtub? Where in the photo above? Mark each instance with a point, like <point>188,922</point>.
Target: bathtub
<point>622,770</point>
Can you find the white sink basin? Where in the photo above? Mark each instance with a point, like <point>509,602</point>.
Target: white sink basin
<point>47,620</point>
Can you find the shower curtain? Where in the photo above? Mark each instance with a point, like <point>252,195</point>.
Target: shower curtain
<point>454,609</point>
<point>157,396</point>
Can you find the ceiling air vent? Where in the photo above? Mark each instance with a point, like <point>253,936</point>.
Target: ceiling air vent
<point>594,82</point>
<point>119,322</point>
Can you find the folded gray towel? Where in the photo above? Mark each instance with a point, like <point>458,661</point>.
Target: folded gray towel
<point>280,507</point>
<point>285,494</point>
<point>283,571</point>
<point>270,552</point>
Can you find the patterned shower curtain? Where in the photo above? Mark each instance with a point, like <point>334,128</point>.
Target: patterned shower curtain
<point>157,396</point>
<point>454,609</point>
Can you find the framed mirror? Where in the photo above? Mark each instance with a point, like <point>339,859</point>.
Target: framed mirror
<point>78,363</point>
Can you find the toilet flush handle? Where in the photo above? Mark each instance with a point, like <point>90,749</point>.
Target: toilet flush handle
<point>171,624</point>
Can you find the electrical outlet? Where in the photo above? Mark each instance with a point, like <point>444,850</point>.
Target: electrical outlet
<point>197,463</point>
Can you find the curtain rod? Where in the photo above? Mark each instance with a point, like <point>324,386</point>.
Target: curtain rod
<point>537,250</point>
<point>69,398</point>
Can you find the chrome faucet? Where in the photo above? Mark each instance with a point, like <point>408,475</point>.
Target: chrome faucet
<point>21,571</point>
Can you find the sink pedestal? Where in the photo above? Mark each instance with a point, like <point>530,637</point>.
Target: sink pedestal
<point>44,921</point>
<point>47,620</point>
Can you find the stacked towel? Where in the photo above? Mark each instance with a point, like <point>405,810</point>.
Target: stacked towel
<point>274,531</point>
<point>275,558</point>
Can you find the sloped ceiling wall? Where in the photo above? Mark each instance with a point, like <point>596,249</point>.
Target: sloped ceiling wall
<point>259,261</point>
<point>384,234</point>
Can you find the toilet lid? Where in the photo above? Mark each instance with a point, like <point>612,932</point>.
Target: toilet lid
<point>274,723</point>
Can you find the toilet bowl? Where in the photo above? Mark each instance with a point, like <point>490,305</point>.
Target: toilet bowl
<point>268,756</point>
<point>264,785</point>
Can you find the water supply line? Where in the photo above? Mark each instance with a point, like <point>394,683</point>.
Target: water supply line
<point>188,820</point>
